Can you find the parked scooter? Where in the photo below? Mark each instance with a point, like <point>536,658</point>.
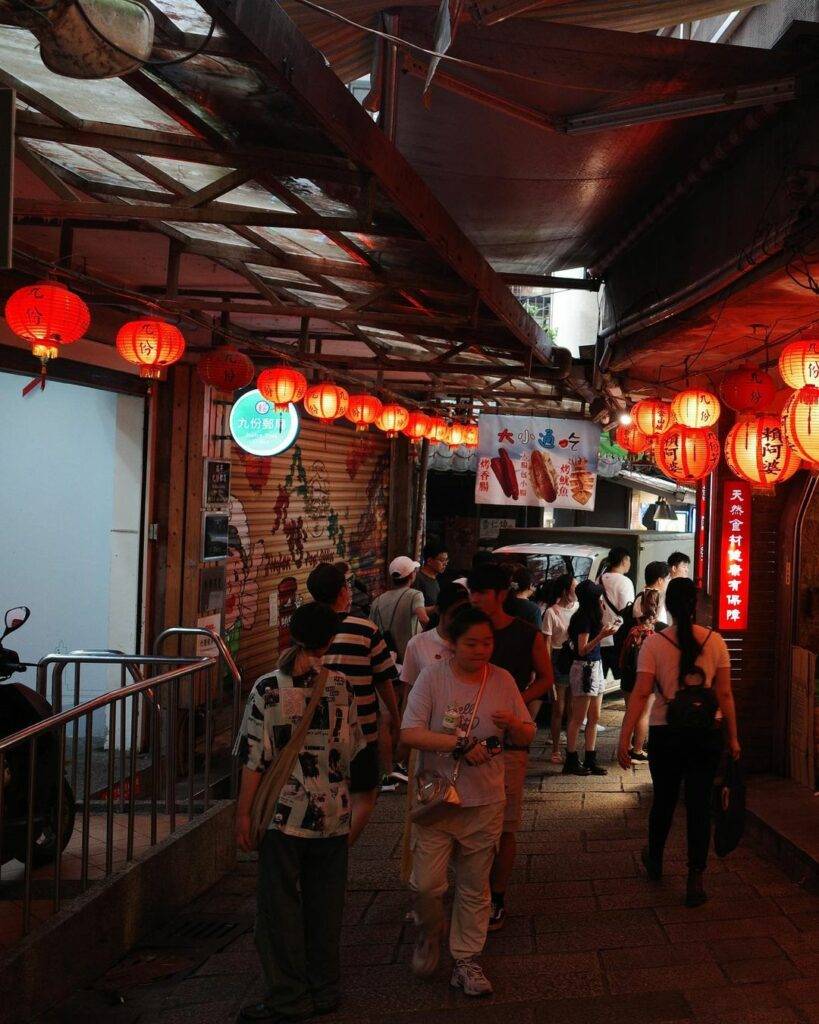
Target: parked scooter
<point>20,707</point>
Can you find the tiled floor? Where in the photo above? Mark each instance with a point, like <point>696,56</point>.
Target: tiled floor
<point>42,906</point>
<point>588,939</point>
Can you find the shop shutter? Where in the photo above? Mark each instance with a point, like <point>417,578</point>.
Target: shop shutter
<point>325,499</point>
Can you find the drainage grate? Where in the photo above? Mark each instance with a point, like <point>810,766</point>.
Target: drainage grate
<point>198,931</point>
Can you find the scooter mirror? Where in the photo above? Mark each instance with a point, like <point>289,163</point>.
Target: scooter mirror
<point>15,618</point>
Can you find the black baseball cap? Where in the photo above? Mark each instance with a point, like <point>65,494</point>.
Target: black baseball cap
<point>325,583</point>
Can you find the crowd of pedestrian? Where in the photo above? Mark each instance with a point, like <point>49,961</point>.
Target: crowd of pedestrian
<point>452,676</point>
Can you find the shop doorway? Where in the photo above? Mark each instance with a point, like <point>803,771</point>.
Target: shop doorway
<point>73,469</point>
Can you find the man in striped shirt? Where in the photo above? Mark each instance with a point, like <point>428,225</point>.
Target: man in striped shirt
<point>358,650</point>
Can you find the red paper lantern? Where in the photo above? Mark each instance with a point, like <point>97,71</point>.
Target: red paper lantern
<point>756,450</point>
<point>281,385</point>
<point>456,435</point>
<point>799,364</point>
<point>686,454</point>
<point>326,401</point>
<point>393,419</point>
<point>438,428</point>
<point>472,435</point>
<point>417,426</point>
<point>652,416</point>
<point>363,410</point>
<point>225,368</point>
<point>748,389</point>
<point>800,422</point>
<point>695,407</point>
<point>632,439</point>
<point>47,315</point>
<point>152,345</point>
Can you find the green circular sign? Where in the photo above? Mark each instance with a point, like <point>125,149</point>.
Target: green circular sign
<point>259,428</point>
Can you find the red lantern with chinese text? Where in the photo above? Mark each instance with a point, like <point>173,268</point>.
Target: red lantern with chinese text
<point>800,422</point>
<point>152,345</point>
<point>696,408</point>
<point>393,419</point>
<point>225,368</point>
<point>687,455</point>
<point>632,439</point>
<point>652,416</point>
<point>438,429</point>
<point>363,410</point>
<point>47,315</point>
<point>756,450</point>
<point>282,385</point>
<point>327,401</point>
<point>748,389</point>
<point>799,364</point>
<point>417,426</point>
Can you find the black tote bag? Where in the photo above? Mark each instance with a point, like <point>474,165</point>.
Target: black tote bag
<point>729,809</point>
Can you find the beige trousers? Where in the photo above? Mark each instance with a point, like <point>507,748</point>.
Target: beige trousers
<point>468,837</point>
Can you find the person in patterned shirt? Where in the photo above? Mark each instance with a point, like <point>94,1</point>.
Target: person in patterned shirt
<point>303,856</point>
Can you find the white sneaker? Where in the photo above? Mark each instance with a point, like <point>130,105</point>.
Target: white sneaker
<point>427,953</point>
<point>468,975</point>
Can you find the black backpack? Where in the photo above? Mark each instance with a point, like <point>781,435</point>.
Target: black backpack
<point>692,707</point>
<point>627,615</point>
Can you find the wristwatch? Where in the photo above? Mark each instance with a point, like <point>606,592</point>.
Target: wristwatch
<point>463,746</point>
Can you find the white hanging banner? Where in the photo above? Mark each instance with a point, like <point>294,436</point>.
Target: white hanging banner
<point>526,460</point>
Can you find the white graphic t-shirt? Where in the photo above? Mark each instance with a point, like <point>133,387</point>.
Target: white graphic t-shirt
<point>315,802</point>
<point>438,695</point>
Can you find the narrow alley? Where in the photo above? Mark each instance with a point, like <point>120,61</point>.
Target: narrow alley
<point>587,939</point>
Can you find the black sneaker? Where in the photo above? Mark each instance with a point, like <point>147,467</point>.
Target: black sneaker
<point>636,755</point>
<point>399,773</point>
<point>497,917</point>
<point>572,766</point>
<point>591,765</point>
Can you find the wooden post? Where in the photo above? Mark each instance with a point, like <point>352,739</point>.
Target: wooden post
<point>420,501</point>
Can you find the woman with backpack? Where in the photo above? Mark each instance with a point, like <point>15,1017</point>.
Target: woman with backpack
<point>560,604</point>
<point>643,628</point>
<point>688,668</point>
<point>586,677</point>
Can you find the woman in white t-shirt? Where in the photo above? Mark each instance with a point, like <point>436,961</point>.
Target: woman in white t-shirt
<point>619,594</point>
<point>560,606</point>
<point>684,655</point>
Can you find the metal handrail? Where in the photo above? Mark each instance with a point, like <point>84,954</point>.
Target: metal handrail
<point>102,700</point>
<point>236,675</point>
<point>57,724</point>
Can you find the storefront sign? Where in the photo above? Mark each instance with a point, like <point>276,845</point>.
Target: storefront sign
<point>217,482</point>
<point>735,556</point>
<point>259,429</point>
<point>523,460</point>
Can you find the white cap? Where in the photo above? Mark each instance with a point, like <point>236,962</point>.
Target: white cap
<point>402,566</point>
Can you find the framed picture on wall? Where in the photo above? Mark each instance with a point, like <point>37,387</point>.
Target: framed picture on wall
<point>214,536</point>
<point>217,483</point>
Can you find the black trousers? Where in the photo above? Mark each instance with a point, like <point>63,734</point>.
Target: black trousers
<point>300,903</point>
<point>682,757</point>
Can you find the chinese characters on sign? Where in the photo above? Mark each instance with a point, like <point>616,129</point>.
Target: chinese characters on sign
<point>259,429</point>
<point>735,557</point>
<point>523,460</point>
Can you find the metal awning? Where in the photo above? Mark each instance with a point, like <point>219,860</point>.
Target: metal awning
<point>245,194</point>
<point>538,160</point>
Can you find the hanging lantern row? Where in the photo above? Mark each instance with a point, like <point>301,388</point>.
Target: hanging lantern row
<point>48,315</point>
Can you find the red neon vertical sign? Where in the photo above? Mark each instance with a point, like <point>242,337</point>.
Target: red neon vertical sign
<point>701,536</point>
<point>735,556</point>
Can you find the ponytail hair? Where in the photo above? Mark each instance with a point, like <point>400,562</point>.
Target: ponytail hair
<point>681,602</point>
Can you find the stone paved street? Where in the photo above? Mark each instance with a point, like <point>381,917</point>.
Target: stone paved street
<point>588,939</point>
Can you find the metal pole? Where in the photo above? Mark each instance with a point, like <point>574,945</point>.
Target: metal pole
<point>132,775</point>
<point>32,775</point>
<point>86,800</point>
<point>58,860</point>
<point>109,803</point>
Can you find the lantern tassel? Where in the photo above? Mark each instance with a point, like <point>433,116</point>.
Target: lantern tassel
<point>41,380</point>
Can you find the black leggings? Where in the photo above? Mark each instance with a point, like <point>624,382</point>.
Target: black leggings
<point>676,756</point>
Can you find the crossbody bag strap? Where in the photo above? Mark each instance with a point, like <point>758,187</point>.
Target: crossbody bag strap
<point>475,707</point>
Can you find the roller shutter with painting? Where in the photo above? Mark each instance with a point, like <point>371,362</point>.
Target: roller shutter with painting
<point>325,499</point>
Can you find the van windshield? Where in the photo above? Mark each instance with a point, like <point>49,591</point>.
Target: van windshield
<point>549,567</point>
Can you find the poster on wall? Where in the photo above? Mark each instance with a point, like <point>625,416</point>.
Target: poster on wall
<point>527,460</point>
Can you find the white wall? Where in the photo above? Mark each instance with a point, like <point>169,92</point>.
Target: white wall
<point>71,472</point>
<point>574,316</point>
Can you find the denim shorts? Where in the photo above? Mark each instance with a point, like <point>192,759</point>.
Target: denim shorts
<point>598,679</point>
